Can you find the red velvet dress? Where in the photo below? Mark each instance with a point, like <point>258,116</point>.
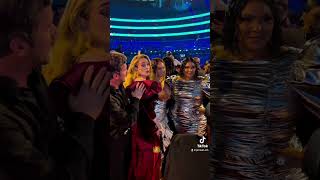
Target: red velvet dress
<point>146,157</point>
<point>70,83</point>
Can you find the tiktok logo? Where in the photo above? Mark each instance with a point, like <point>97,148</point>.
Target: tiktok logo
<point>202,147</point>
<point>202,140</point>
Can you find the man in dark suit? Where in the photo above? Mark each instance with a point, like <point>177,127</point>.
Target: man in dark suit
<point>122,115</point>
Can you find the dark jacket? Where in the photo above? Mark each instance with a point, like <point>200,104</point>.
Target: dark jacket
<point>122,115</point>
<point>33,141</point>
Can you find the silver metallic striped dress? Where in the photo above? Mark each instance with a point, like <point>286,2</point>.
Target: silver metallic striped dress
<point>162,123</point>
<point>253,119</point>
<point>188,111</point>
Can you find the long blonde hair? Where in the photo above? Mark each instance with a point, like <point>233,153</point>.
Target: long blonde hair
<point>71,41</point>
<point>154,70</point>
<point>132,73</point>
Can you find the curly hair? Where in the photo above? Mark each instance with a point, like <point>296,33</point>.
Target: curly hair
<point>235,9</point>
<point>116,61</point>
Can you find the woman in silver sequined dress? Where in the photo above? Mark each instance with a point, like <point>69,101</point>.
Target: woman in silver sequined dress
<point>159,75</point>
<point>188,111</point>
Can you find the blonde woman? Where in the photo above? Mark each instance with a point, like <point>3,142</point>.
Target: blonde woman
<point>81,42</point>
<point>146,158</point>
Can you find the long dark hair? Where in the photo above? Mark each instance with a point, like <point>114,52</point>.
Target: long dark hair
<point>183,67</point>
<point>155,63</point>
<point>168,61</point>
<point>230,26</point>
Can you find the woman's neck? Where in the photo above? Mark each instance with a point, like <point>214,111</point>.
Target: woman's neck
<point>246,54</point>
<point>94,55</point>
<point>140,78</point>
<point>187,79</point>
<point>158,79</point>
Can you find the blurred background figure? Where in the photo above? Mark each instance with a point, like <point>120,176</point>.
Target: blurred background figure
<point>312,22</point>
<point>198,66</point>
<point>253,53</point>
<point>58,7</point>
<point>292,33</point>
<point>81,43</point>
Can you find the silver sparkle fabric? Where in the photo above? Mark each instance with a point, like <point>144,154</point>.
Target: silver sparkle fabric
<point>253,119</point>
<point>307,68</point>
<point>188,111</point>
<point>162,122</point>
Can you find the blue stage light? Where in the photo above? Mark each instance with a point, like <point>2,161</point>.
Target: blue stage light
<point>160,20</point>
<point>160,27</point>
<point>161,35</point>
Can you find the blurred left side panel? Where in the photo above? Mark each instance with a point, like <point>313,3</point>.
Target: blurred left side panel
<point>54,89</point>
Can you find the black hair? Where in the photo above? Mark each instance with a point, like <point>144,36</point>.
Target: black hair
<point>183,66</point>
<point>168,61</point>
<point>230,25</point>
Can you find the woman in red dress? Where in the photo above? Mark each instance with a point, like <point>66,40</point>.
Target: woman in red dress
<point>146,157</point>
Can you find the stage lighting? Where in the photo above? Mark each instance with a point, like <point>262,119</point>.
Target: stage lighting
<point>160,20</point>
<point>161,35</point>
<point>160,27</point>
